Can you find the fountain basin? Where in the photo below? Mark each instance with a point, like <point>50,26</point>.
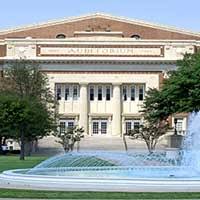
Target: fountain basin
<point>114,180</point>
<point>106,171</point>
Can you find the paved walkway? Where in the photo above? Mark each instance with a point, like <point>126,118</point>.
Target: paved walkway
<point>49,146</point>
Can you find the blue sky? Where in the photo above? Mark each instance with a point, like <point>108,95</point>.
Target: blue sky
<point>179,13</point>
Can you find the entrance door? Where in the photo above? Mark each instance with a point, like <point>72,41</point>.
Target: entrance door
<point>99,127</point>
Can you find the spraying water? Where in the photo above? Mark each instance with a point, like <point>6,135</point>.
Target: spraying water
<point>191,143</point>
<point>129,164</point>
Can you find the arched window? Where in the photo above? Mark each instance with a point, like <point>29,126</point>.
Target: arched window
<point>136,37</point>
<point>60,36</point>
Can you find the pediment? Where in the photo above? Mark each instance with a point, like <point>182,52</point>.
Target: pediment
<point>99,23</point>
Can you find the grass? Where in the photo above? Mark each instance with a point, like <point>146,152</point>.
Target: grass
<point>13,162</point>
<point>31,194</point>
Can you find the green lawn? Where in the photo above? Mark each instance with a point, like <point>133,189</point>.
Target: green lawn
<point>13,162</point>
<point>7,193</point>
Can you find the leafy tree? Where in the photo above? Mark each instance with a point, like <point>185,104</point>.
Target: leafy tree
<point>69,137</point>
<point>25,79</point>
<point>25,119</point>
<point>181,90</point>
<point>180,93</point>
<point>29,86</point>
<point>150,133</point>
<point>155,120</point>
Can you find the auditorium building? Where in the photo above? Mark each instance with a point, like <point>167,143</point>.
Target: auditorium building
<point>100,66</point>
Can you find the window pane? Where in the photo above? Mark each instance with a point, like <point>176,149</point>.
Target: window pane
<point>70,124</point>
<point>99,93</point>
<point>128,127</point>
<point>58,92</point>
<point>103,127</point>
<point>62,127</point>
<point>132,93</point>
<point>124,93</point>
<point>75,92</point>
<point>141,93</point>
<point>91,93</point>
<point>95,127</point>
<point>66,93</point>
<point>136,125</point>
<point>108,93</point>
<point>179,125</point>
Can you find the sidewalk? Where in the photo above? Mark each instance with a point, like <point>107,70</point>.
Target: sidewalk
<point>48,145</point>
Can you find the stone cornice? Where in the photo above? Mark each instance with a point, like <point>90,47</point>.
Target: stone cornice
<point>85,61</point>
<point>101,39</point>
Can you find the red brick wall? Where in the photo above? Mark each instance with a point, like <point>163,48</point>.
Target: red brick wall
<point>99,24</point>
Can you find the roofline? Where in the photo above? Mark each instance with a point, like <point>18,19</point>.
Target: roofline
<point>107,16</point>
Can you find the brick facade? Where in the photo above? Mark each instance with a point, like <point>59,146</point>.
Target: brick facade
<point>98,24</point>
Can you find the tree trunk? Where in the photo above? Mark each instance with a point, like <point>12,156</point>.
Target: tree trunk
<point>22,145</point>
<point>125,143</point>
<point>4,140</point>
<point>28,148</point>
<point>149,147</point>
<point>1,150</point>
<point>78,146</point>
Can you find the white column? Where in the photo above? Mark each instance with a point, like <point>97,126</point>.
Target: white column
<point>83,120</point>
<point>116,104</point>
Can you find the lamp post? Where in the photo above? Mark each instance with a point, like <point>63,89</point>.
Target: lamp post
<point>175,126</point>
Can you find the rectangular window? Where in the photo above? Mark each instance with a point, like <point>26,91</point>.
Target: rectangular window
<point>136,124</point>
<point>58,92</point>
<point>179,125</point>
<point>66,92</point>
<point>128,127</point>
<point>75,92</point>
<point>133,93</point>
<point>91,93</point>
<point>108,93</point>
<point>141,92</point>
<point>132,124</point>
<point>103,127</point>
<point>124,93</point>
<point>70,124</point>
<point>62,127</point>
<point>100,93</point>
<point>95,127</point>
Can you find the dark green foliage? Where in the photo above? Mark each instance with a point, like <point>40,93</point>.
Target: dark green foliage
<point>182,89</point>
<point>180,93</point>
<point>27,104</point>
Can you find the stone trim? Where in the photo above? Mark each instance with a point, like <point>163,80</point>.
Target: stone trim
<point>100,114</point>
<point>131,115</point>
<point>68,115</point>
<point>38,50</point>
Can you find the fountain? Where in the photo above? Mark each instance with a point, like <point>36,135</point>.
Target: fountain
<point>117,171</point>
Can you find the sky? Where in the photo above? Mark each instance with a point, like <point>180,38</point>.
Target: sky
<point>183,14</point>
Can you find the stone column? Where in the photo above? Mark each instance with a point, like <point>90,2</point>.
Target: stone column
<point>116,107</point>
<point>83,120</point>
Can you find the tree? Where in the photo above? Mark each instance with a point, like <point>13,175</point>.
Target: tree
<point>150,133</point>
<point>180,93</point>
<point>25,79</point>
<point>155,120</point>
<point>29,86</point>
<point>24,119</point>
<point>182,89</point>
<point>69,137</point>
